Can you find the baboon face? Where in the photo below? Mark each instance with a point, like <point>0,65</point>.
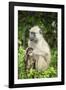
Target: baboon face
<point>35,34</point>
<point>29,51</point>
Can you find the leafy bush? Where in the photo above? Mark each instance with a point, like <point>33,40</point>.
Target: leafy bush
<point>21,63</point>
<point>50,72</point>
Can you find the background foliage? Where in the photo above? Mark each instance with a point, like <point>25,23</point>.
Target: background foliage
<point>47,21</point>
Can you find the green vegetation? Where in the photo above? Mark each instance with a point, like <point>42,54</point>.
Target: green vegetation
<point>47,21</point>
<point>50,72</point>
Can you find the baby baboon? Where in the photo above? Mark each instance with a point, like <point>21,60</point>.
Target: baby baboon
<point>29,61</point>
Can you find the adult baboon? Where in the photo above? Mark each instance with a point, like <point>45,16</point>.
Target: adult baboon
<point>41,51</point>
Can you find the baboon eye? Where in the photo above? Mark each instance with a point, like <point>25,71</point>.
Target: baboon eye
<point>40,31</point>
<point>32,33</point>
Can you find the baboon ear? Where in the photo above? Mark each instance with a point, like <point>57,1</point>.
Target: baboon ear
<point>40,31</point>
